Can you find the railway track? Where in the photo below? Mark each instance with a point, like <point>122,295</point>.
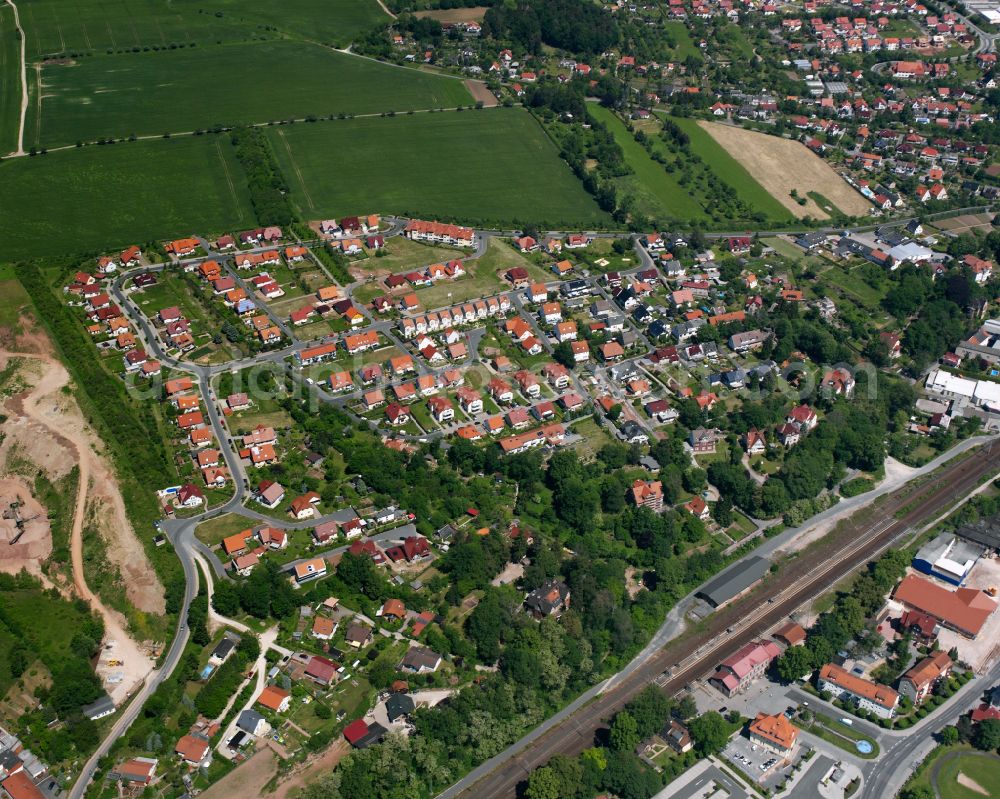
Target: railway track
<point>837,555</point>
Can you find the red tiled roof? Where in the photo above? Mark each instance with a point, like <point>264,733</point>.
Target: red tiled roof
<point>965,609</point>
<point>355,731</point>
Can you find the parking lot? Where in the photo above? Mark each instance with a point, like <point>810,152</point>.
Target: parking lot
<point>762,766</point>
<point>703,781</point>
<point>761,696</point>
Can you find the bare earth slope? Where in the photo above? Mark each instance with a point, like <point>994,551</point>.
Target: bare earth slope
<point>48,426</point>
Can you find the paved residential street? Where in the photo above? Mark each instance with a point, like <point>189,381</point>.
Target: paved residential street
<point>572,728</point>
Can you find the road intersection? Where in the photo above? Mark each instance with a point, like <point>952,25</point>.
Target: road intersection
<point>570,731</point>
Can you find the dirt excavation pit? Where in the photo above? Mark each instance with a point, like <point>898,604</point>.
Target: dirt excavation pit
<point>25,534</point>
<point>46,432</point>
<point>107,514</point>
<point>46,428</point>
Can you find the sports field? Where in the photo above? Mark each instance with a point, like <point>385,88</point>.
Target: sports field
<point>969,776</point>
<point>183,90</point>
<point>656,191</point>
<point>731,171</point>
<point>100,198</point>
<point>10,81</point>
<point>490,166</point>
<point>59,27</point>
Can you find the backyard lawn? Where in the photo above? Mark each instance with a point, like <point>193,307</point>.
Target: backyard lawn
<point>213,531</point>
<point>169,290</point>
<point>500,257</point>
<point>594,437</point>
<point>401,254</point>
<point>849,281</point>
<point>684,45</point>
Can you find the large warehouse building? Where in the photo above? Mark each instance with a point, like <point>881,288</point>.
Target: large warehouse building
<point>735,580</point>
<point>948,558</point>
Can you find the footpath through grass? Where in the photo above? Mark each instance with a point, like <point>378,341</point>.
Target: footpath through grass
<point>488,166</point>
<point>178,91</point>
<point>100,198</point>
<point>939,772</point>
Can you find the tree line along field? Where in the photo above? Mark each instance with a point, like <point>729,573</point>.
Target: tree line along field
<point>196,88</point>
<point>10,81</point>
<point>714,154</point>
<point>100,198</point>
<point>656,192</point>
<point>486,166</point>
<point>58,27</point>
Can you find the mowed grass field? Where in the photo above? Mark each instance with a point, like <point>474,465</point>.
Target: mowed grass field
<point>731,171</point>
<point>183,90</point>
<point>10,81</point>
<point>72,26</point>
<point>656,191</point>
<point>978,773</point>
<point>684,45</point>
<point>101,198</point>
<point>492,166</point>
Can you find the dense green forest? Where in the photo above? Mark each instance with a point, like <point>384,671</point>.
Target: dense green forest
<point>566,24</point>
<point>54,656</point>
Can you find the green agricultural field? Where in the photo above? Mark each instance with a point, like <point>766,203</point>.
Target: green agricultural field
<point>100,198</point>
<point>731,171</point>
<point>488,166</point>
<point>656,191</point>
<point>336,22</point>
<point>179,91</point>
<point>10,81</point>
<point>96,26</point>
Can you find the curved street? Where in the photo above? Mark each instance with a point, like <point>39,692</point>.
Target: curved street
<point>181,532</point>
